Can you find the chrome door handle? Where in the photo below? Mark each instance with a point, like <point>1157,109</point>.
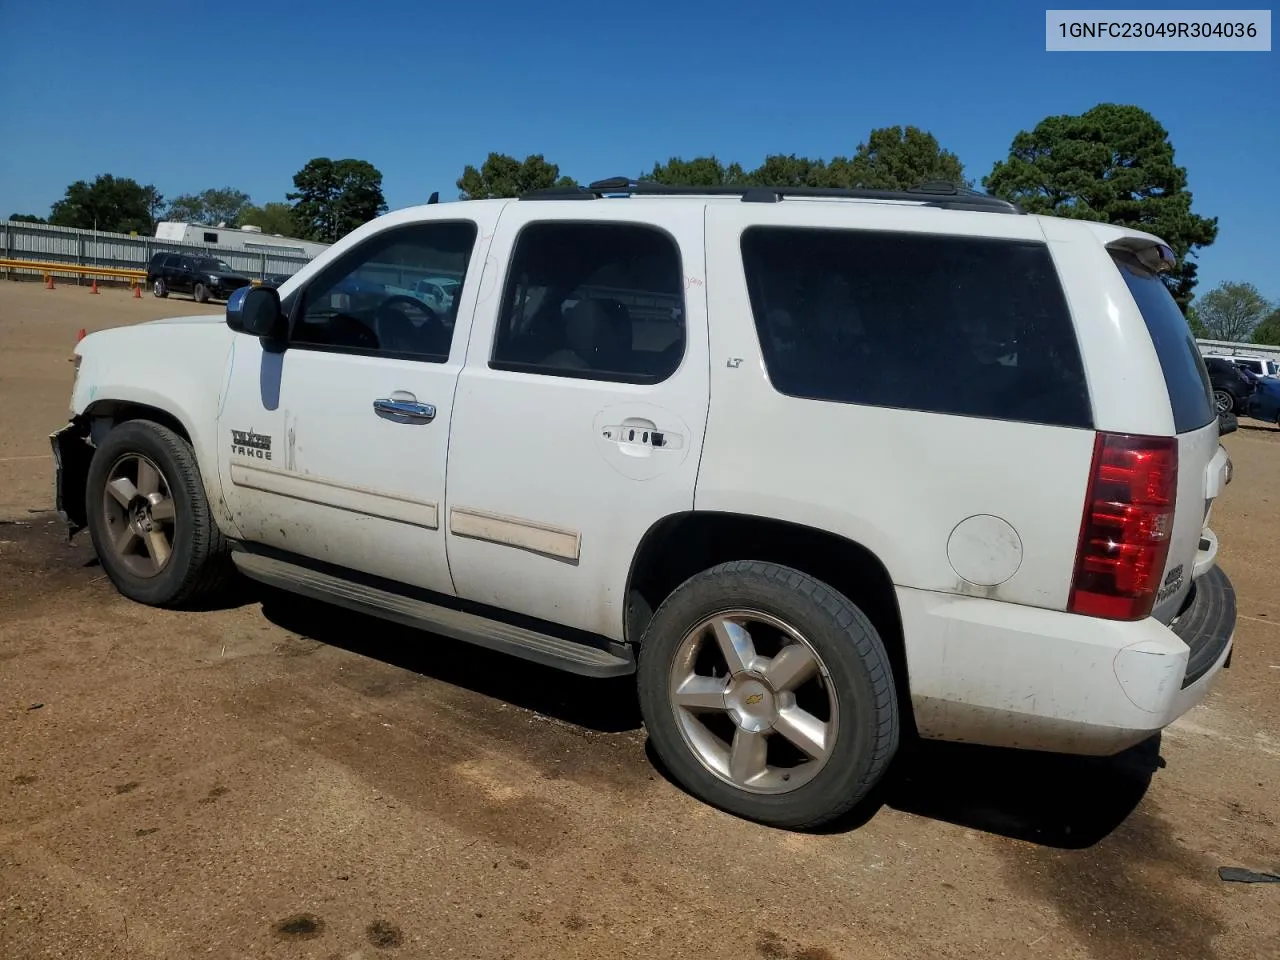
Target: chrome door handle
<point>405,410</point>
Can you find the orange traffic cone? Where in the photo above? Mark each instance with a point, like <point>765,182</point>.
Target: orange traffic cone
<point>81,335</point>
<point>137,291</point>
<point>94,287</point>
<point>48,281</point>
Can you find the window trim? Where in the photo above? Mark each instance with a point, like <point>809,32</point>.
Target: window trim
<point>533,369</point>
<point>1090,417</point>
<point>341,265</point>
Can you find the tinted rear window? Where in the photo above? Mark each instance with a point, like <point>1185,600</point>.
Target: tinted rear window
<point>958,325</point>
<point>1185,375</point>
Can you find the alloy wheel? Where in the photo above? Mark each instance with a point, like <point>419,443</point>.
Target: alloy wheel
<point>754,701</point>
<point>140,515</point>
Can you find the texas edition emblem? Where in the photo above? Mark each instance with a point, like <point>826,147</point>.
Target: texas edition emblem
<point>246,443</point>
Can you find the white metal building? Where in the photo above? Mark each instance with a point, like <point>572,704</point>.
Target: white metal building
<point>247,238</point>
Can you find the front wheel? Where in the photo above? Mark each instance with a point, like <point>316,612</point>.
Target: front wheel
<point>201,293</point>
<point>768,694</point>
<point>1223,402</point>
<point>149,518</point>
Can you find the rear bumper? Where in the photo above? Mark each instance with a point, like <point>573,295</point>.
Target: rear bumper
<point>996,673</point>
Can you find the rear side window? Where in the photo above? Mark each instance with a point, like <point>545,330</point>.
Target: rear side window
<point>957,325</point>
<point>1185,375</point>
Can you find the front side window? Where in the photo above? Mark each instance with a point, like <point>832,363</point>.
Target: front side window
<point>955,325</point>
<point>601,301</point>
<point>373,300</point>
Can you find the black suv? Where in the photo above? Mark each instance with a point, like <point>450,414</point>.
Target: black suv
<point>1232,388</point>
<point>203,277</point>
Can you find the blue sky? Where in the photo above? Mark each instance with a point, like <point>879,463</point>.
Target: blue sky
<point>190,96</point>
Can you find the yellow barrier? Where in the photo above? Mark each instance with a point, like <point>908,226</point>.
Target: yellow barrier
<point>48,267</point>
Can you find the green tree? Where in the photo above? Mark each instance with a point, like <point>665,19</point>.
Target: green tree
<point>1268,331</point>
<point>1114,164</point>
<point>892,158</point>
<point>113,204</point>
<point>698,172</point>
<point>1195,323</point>
<point>1231,311</point>
<point>271,217</point>
<point>898,158</point>
<point>334,197</point>
<point>788,170</point>
<point>213,206</point>
<point>26,218</point>
<point>504,176</point>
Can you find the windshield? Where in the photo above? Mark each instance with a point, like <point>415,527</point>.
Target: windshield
<point>211,263</point>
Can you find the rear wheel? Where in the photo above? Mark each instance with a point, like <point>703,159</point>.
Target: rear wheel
<point>768,694</point>
<point>1223,402</point>
<point>160,288</point>
<point>149,517</point>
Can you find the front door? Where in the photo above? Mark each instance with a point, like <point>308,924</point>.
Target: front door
<point>580,411</point>
<point>182,276</point>
<point>336,446</point>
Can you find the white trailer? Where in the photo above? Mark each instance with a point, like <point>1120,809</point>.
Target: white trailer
<point>247,238</point>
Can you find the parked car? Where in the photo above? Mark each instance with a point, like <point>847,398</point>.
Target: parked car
<point>1258,366</point>
<point>1265,402</point>
<point>437,292</point>
<point>1232,386</point>
<point>205,278</point>
<point>815,471</point>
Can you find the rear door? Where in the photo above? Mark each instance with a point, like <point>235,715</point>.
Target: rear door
<point>580,411</point>
<point>1200,455</point>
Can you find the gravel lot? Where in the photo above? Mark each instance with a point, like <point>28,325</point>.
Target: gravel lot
<point>275,779</point>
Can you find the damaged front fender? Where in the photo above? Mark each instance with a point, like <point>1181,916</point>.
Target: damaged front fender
<point>71,455</point>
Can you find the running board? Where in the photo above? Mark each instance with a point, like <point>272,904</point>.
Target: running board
<point>506,638</point>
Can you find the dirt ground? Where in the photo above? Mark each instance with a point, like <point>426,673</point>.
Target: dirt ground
<point>275,779</point>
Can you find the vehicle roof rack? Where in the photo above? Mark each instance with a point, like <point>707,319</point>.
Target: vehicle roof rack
<point>935,193</point>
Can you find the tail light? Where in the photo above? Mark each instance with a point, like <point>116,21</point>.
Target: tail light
<point>1128,521</point>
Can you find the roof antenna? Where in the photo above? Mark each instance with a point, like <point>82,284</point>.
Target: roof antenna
<point>435,197</point>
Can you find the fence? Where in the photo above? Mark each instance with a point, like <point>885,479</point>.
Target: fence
<point>90,248</point>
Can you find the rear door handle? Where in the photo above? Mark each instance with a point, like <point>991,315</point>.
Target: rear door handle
<point>405,411</point>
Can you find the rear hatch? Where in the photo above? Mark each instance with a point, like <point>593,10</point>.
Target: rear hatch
<point>1200,458</point>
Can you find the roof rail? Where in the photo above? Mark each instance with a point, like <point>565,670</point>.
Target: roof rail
<point>936,193</point>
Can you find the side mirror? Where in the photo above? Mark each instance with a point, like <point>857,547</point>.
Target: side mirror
<point>256,311</point>
<point>1227,423</point>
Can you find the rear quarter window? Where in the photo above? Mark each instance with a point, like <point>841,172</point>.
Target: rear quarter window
<point>967,326</point>
<point>1185,374</point>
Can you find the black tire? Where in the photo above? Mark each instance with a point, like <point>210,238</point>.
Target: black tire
<point>159,288</point>
<point>199,564</point>
<point>867,731</point>
<point>201,293</point>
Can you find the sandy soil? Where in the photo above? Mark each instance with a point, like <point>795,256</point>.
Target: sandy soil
<point>275,779</point>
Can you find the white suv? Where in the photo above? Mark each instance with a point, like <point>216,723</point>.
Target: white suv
<point>1258,366</point>
<point>821,468</point>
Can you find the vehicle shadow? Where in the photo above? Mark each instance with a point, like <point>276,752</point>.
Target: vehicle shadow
<point>1052,800</point>
<point>606,706</point>
<point>1045,799</point>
